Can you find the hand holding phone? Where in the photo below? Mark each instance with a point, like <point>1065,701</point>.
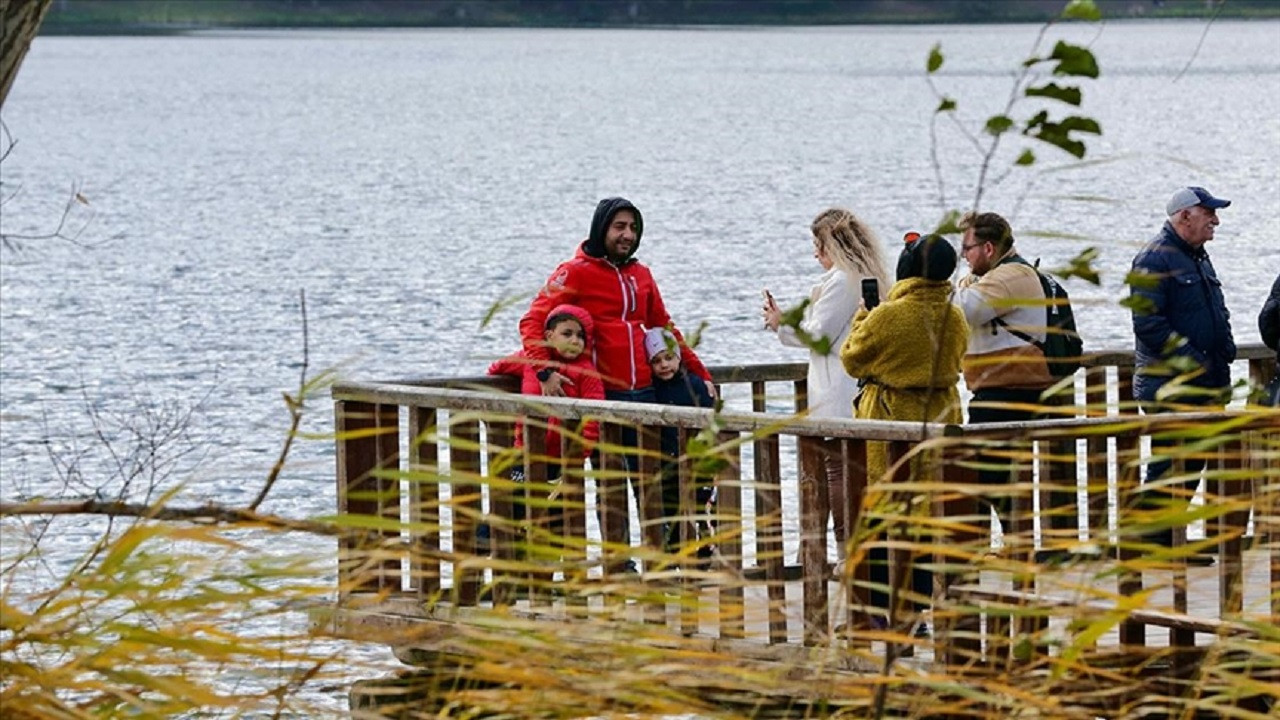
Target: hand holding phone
<point>772,315</point>
<point>870,293</point>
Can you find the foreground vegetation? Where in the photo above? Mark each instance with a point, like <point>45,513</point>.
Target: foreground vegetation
<point>201,610</point>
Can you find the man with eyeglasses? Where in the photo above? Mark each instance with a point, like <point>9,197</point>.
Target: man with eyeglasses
<point>1005,305</point>
<point>1182,333</point>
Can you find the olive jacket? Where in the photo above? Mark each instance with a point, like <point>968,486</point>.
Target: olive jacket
<point>907,351</point>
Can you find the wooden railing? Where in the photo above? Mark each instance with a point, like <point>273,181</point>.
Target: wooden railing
<point>417,459</point>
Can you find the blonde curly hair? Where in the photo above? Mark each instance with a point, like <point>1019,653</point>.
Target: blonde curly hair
<point>850,243</point>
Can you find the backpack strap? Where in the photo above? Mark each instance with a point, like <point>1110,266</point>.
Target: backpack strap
<point>1019,260</point>
<point>1018,333</point>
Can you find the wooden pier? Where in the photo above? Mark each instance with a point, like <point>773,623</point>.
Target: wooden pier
<point>582,588</point>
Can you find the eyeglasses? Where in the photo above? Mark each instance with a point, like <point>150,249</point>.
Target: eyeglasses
<point>966,248</point>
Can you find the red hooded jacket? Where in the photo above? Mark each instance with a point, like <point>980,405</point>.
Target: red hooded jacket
<point>623,300</point>
<point>584,379</point>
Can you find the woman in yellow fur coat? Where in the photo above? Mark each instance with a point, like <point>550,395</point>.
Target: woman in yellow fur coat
<point>907,351</point>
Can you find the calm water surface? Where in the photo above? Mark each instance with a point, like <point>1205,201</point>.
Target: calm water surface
<point>407,181</point>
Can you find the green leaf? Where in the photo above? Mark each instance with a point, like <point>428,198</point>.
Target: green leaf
<point>1081,266</point>
<point>694,339</point>
<point>998,124</point>
<point>1026,158</point>
<point>947,105</point>
<point>935,59</point>
<point>1081,10</point>
<point>1058,134</point>
<point>1138,304</point>
<point>497,307</point>
<point>1069,95</point>
<point>1074,60</point>
<point>1141,280</point>
<point>949,224</point>
<point>792,319</point>
<point>1022,649</point>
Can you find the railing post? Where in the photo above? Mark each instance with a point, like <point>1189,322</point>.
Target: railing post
<point>464,485</point>
<point>728,530</point>
<point>611,496</point>
<point>499,439</point>
<point>813,538</point>
<point>424,502</point>
<point>857,575</point>
<point>368,450</point>
<point>768,486</point>
<point>537,513</point>
<point>1133,634</point>
<point>573,512</point>
<point>957,629</point>
<point>1235,491</point>
<point>690,598</point>
<point>649,486</point>
<point>1059,486</point>
<point>1096,481</point>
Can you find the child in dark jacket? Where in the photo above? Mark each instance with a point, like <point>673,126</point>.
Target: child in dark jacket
<point>568,335</point>
<point>674,386</point>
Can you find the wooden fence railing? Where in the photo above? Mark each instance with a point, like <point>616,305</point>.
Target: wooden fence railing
<point>420,461</point>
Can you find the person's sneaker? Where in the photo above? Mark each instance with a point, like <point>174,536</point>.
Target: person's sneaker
<point>919,632</point>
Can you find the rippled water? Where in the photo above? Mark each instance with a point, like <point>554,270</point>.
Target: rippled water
<point>407,181</point>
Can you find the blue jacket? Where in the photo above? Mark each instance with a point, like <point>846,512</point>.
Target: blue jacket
<point>684,389</point>
<point>1186,302</point>
<point>1269,319</point>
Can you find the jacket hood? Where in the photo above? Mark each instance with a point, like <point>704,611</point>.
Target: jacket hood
<point>584,317</point>
<point>605,210</point>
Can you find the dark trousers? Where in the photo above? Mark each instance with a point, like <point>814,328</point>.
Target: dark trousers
<point>979,414</point>
<point>837,495</point>
<point>921,580</point>
<point>701,524</point>
<point>1178,493</point>
<point>630,439</point>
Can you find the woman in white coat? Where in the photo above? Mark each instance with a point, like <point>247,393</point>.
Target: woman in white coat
<point>848,251</point>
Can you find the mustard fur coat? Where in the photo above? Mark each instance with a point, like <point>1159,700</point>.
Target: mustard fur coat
<point>908,350</point>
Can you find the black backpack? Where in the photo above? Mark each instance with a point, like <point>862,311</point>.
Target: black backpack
<point>1062,346</point>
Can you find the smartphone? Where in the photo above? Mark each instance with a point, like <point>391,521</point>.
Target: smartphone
<point>870,293</point>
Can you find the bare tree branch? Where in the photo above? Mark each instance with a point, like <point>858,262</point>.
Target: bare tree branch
<point>1196,53</point>
<point>209,513</point>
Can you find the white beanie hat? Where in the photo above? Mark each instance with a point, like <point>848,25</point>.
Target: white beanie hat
<point>656,340</point>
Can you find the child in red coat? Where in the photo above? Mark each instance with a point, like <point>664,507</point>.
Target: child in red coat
<point>568,338</point>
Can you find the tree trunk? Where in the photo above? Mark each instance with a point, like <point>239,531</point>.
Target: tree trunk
<point>19,22</point>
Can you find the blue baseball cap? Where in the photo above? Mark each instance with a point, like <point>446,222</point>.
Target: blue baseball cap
<point>1192,196</point>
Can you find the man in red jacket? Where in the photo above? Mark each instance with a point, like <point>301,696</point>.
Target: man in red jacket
<point>606,280</point>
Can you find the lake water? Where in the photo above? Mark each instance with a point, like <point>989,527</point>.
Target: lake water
<point>408,180</point>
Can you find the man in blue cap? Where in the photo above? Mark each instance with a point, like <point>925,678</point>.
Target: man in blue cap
<point>1182,331</point>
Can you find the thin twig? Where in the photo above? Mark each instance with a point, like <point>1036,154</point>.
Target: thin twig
<point>1014,94</point>
<point>295,405</point>
<point>1195,53</point>
<point>7,141</point>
